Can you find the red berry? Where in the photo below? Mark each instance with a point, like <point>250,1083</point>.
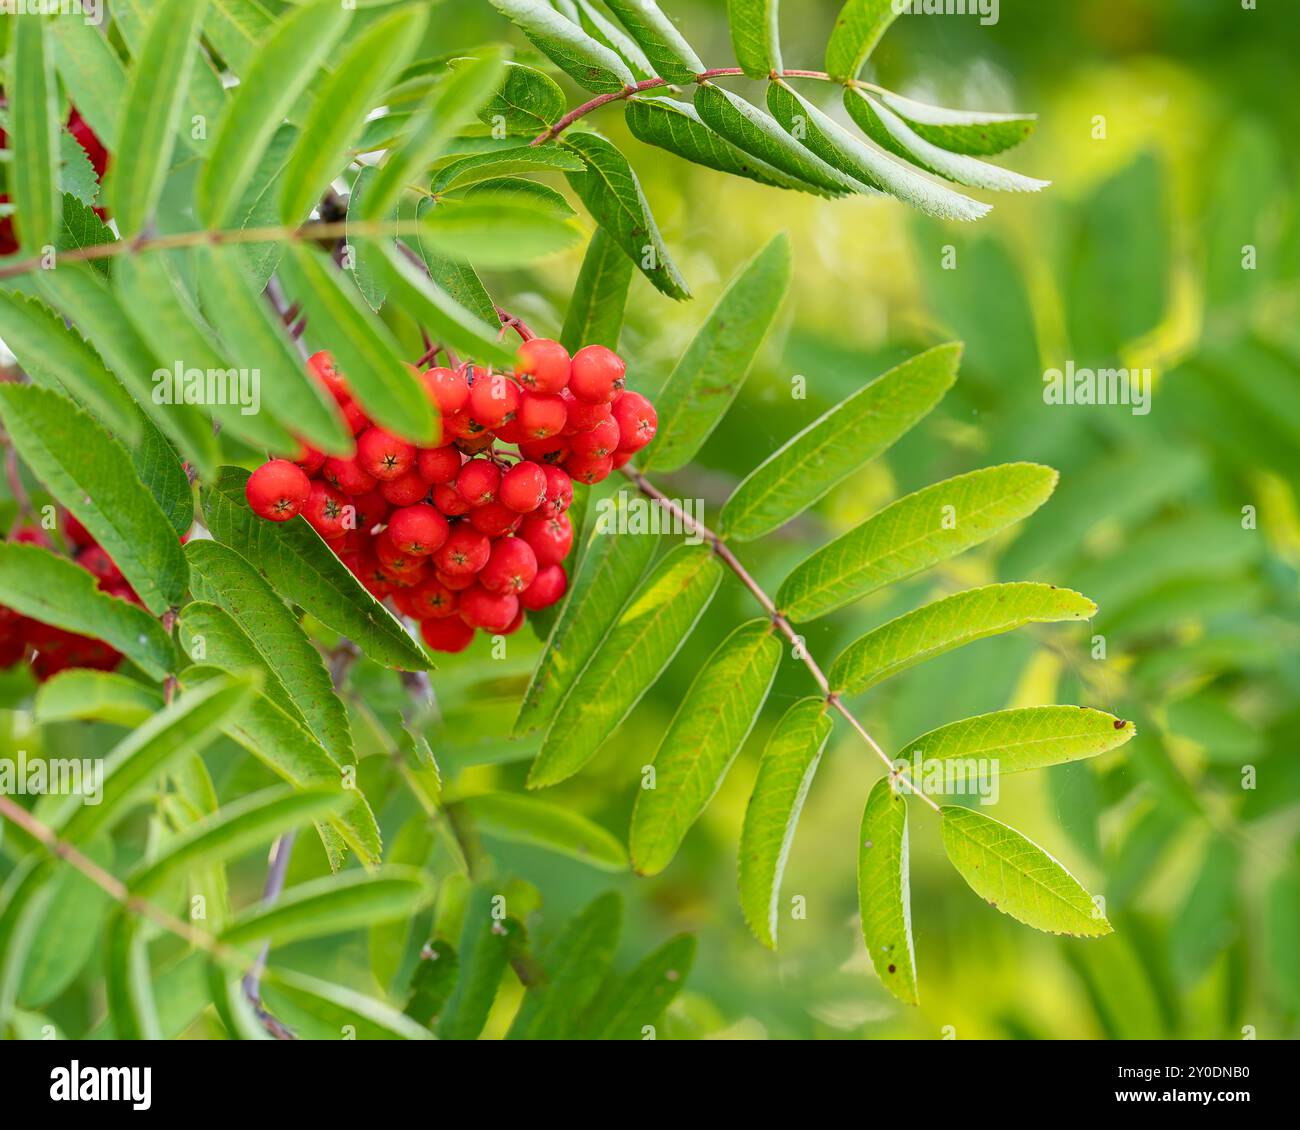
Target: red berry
<point>540,416</point>
<point>354,416</point>
<point>438,464</point>
<point>589,468</point>
<point>547,588</point>
<point>402,567</point>
<point>478,482</point>
<point>551,450</point>
<point>432,600</point>
<point>461,425</point>
<point>494,519</point>
<point>384,455</point>
<point>523,487</point>
<point>33,535</point>
<point>310,460</point>
<point>450,634</point>
<point>448,389</point>
<point>582,417</point>
<point>417,530</point>
<point>277,490</point>
<point>326,510</point>
<point>406,491</point>
<point>597,374</point>
<point>559,492</point>
<point>511,567</point>
<point>600,441</point>
<point>457,583</point>
<point>448,500</point>
<point>493,399</point>
<point>322,366</point>
<point>550,538</point>
<point>542,365</point>
<point>94,560</point>
<point>491,611</point>
<point>637,421</point>
<point>347,476</point>
<point>622,458</point>
<point>367,511</point>
<point>465,551</point>
<point>75,532</point>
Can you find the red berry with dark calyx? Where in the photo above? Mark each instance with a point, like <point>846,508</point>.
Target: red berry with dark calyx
<point>540,416</point>
<point>478,482</point>
<point>495,519</point>
<point>548,587</point>
<point>553,450</point>
<point>431,600</point>
<point>511,567</point>
<point>447,499</point>
<point>461,425</point>
<point>600,441</point>
<point>417,530</point>
<point>549,538</point>
<point>406,491</point>
<point>465,551</point>
<point>559,492</point>
<point>438,464</point>
<point>277,490</point>
<point>523,487</point>
<point>447,388</point>
<point>310,460</point>
<point>542,365</point>
<point>493,398</point>
<point>326,511</point>
<point>368,510</point>
<point>448,634</point>
<point>384,455</point>
<point>589,469</point>
<point>597,374</point>
<point>637,421</point>
<point>403,568</point>
<point>347,476</point>
<point>491,611</point>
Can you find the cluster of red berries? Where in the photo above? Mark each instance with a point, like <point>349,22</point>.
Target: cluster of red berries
<point>53,649</point>
<point>468,535</point>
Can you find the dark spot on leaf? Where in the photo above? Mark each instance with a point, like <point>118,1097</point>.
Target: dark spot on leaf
<point>1120,723</point>
<point>891,969</point>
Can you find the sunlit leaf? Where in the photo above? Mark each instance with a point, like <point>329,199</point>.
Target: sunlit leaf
<point>884,890</point>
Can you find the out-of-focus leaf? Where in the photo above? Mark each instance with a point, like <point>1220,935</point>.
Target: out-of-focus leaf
<point>101,696</point>
<point>974,132</point>
<point>92,74</point>
<point>486,941</point>
<point>341,1010</point>
<point>884,890</point>
<point>595,315</point>
<point>34,129</point>
<point>498,233</point>
<point>625,1007</point>
<point>527,820</point>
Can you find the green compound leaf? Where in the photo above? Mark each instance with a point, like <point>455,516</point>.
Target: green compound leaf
<point>710,373</point>
<point>588,62</point>
<point>785,775</point>
<point>610,190</point>
<point>913,534</point>
<point>1012,741</point>
<point>1017,877</point>
<point>974,132</point>
<point>884,891</point>
<point>860,25</point>
<point>831,448</point>
<point>599,301</point>
<point>91,474</point>
<point>756,35</point>
<point>705,736</point>
<point>952,622</point>
<point>528,820</point>
<point>638,647</point>
<point>626,1006</point>
<point>668,52</point>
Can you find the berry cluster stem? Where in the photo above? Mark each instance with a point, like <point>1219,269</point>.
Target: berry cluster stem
<point>779,620</point>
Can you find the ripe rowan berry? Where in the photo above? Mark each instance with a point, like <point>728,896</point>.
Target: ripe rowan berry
<point>448,500</point>
<point>465,551</point>
<point>511,567</point>
<point>277,490</point>
<point>457,583</point>
<point>75,532</point>
<point>559,491</point>
<point>97,562</point>
<point>549,538</point>
<point>622,458</point>
<point>542,365</point>
<point>491,611</point>
<point>309,459</point>
<point>438,464</point>
<point>448,634</point>
<point>548,587</point>
<point>367,511</point>
<point>326,511</point>
<point>432,600</point>
<point>597,374</point>
<point>418,530</point>
<point>589,468</point>
<point>402,567</point>
<point>637,421</point>
<point>523,487</point>
<point>384,455</point>
<point>347,476</point>
<point>540,416</point>
<point>493,398</point>
<point>582,416</point>
<point>494,519</point>
<point>322,366</point>
<point>551,450</point>
<point>478,482</point>
<point>406,491</point>
<point>354,416</point>
<point>600,441</point>
<point>447,388</point>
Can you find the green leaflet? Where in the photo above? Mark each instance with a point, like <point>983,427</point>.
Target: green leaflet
<point>236,29</point>
<point>585,60</point>
<point>871,168</point>
<point>363,75</point>
<point>387,942</point>
<point>56,590</point>
<point>610,190</point>
<point>576,964</point>
<point>625,1007</point>
<point>364,348</point>
<point>858,28</point>
<point>56,356</point>
<point>1282,930</point>
<point>92,74</point>
<point>269,87</point>
<point>710,373</point>
<point>459,280</point>
<point>884,890</point>
<point>609,34</point>
<point>91,474</point>
<point>890,132</point>
<point>504,232</point>
<point>949,623</point>
<point>486,942</point>
<point>757,134</point>
<point>372,286</point>
<point>432,983</point>
<point>677,127</point>
<point>257,341</point>
<point>128,987</point>
<point>784,776</point>
<point>609,571</point>
<point>1018,877</point>
<point>527,820</point>
<point>756,35</point>
<point>337,1010</point>
<point>34,132</point>
<point>150,114</point>
<point>81,228</point>
<point>706,734</point>
<point>639,645</point>
<point>974,132</point>
<point>596,309</point>
<point>913,534</point>
<point>668,52</point>
<point>303,569</point>
<point>832,447</point>
<point>83,695</point>
<point>527,102</point>
<point>1027,738</point>
<point>503,162</point>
